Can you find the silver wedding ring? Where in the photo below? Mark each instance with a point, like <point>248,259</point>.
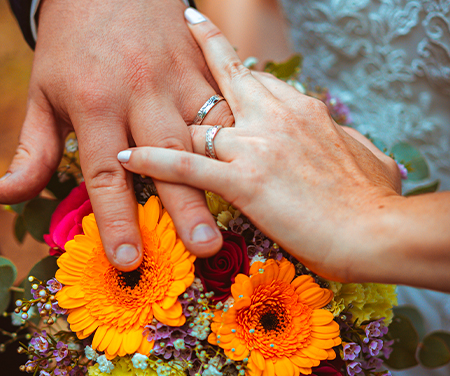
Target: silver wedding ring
<point>209,144</point>
<point>210,103</point>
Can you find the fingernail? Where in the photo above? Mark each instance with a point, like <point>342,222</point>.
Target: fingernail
<point>124,156</point>
<point>5,176</point>
<point>193,16</point>
<point>126,254</point>
<point>203,234</point>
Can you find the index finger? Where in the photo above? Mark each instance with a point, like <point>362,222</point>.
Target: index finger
<point>241,90</point>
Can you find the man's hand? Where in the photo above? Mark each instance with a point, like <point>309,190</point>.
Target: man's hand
<point>121,73</point>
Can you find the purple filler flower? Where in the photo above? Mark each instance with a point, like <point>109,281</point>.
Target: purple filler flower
<point>373,364</point>
<point>44,373</point>
<point>375,346</point>
<point>403,171</point>
<point>39,342</point>
<point>61,351</point>
<point>354,368</point>
<point>387,348</point>
<point>54,285</point>
<point>351,351</point>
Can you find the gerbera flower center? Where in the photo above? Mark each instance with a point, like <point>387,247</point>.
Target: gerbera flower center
<point>129,279</point>
<point>269,321</point>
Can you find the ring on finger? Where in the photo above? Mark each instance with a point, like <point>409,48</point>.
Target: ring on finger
<point>211,133</point>
<point>210,103</point>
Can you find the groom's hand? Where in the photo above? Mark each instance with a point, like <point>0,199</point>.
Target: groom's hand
<point>119,73</point>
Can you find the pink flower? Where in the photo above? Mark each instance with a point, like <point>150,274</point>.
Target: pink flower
<point>66,220</point>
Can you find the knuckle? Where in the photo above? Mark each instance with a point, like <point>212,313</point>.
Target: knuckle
<point>235,69</point>
<point>183,166</point>
<point>317,108</point>
<point>211,34</point>
<point>169,141</point>
<point>92,97</point>
<point>110,179</point>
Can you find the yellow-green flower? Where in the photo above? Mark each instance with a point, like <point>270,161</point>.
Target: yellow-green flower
<point>368,301</point>
<point>221,209</point>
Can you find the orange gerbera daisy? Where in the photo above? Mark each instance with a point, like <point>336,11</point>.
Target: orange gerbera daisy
<point>117,305</point>
<point>277,322</point>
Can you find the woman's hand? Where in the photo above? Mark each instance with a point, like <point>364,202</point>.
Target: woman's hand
<point>302,179</point>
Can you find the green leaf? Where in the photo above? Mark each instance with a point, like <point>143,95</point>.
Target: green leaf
<point>18,208</point>
<point>412,159</point>
<point>286,69</point>
<point>405,344</point>
<point>8,274</point>
<point>427,188</point>
<point>19,229</point>
<point>61,190</point>
<point>43,270</point>
<point>414,316</point>
<point>435,350</point>
<point>37,215</point>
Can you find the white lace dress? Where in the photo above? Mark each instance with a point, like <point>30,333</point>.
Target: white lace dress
<point>389,61</point>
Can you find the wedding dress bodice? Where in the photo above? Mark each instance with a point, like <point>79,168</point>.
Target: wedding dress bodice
<point>389,61</point>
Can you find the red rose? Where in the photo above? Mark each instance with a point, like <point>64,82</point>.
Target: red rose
<point>327,368</point>
<point>67,218</point>
<point>218,272</point>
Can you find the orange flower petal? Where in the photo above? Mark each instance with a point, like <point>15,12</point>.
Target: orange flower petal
<point>258,360</point>
<point>284,367</point>
<point>99,335</point>
<point>106,340</point>
<point>287,271</point>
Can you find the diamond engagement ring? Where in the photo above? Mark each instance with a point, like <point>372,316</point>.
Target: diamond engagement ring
<point>210,103</point>
<point>209,144</point>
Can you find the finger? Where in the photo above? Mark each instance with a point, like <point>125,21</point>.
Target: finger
<point>279,89</point>
<point>220,113</point>
<point>225,142</point>
<point>37,157</point>
<point>186,205</point>
<point>180,167</point>
<point>110,188</point>
<point>239,87</point>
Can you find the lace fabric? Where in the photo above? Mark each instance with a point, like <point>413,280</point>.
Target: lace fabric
<point>392,55</point>
<point>389,61</point>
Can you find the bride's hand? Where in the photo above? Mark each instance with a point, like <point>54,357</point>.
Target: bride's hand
<point>297,175</point>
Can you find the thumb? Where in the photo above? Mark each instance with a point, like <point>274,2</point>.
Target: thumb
<point>40,149</point>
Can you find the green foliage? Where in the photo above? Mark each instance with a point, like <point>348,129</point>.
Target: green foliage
<point>412,159</point>
<point>18,208</point>
<point>43,270</point>
<point>411,346</point>
<point>286,69</point>
<point>414,317</point>
<point>406,341</point>
<point>435,350</point>
<point>427,188</point>
<point>37,215</point>
<point>19,229</point>
<point>8,274</point>
<point>61,190</point>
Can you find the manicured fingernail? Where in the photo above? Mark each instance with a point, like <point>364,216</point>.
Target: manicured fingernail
<point>8,174</point>
<point>193,16</point>
<point>124,156</point>
<point>126,254</point>
<point>203,234</point>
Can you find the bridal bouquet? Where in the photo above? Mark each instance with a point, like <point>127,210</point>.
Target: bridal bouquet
<point>252,309</point>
